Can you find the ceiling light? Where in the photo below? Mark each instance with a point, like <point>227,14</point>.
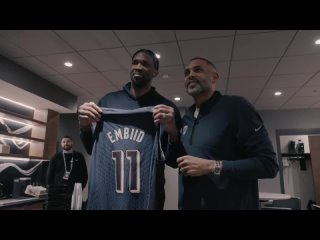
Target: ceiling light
<point>177,99</point>
<point>23,105</point>
<point>68,64</point>
<point>317,42</point>
<point>158,55</point>
<point>277,93</point>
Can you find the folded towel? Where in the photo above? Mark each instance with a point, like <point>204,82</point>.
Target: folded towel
<point>35,191</point>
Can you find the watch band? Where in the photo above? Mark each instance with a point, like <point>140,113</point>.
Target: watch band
<point>217,167</point>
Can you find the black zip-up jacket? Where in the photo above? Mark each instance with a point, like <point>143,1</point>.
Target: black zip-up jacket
<point>78,174</point>
<point>228,128</point>
<point>124,100</point>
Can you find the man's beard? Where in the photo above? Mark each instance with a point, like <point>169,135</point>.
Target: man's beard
<point>140,81</point>
<point>195,90</point>
<point>67,147</point>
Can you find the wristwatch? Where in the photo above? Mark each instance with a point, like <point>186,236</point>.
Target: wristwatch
<point>217,167</point>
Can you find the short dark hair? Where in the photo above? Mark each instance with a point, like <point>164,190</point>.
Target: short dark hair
<point>206,60</point>
<point>151,54</point>
<point>66,136</point>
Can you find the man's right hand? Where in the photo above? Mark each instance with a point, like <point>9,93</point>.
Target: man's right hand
<point>88,113</point>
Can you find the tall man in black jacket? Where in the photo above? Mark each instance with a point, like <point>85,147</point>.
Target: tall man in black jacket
<point>224,147</point>
<point>136,94</point>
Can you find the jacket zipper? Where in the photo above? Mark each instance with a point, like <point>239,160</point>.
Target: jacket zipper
<point>195,122</point>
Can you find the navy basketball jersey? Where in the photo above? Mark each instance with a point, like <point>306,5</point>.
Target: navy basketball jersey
<point>122,171</point>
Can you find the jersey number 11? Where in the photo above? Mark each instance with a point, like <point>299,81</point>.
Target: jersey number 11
<point>134,172</point>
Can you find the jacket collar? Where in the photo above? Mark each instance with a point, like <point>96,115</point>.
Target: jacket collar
<point>147,95</point>
<point>207,105</point>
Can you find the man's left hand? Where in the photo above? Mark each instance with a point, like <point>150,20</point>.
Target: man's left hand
<point>194,166</point>
<point>165,115</point>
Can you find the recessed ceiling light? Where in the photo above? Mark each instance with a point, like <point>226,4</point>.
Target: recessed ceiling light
<point>165,76</point>
<point>177,99</point>
<point>68,64</point>
<point>158,55</point>
<point>277,93</point>
<point>317,42</point>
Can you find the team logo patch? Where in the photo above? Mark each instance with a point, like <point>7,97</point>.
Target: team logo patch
<point>184,130</point>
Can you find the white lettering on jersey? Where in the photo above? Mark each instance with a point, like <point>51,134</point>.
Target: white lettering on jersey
<point>118,134</point>
<point>140,136</point>
<point>126,133</point>
<point>110,137</point>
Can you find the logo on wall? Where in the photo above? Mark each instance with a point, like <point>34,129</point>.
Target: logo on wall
<point>4,166</point>
<point>11,127</point>
<point>20,144</point>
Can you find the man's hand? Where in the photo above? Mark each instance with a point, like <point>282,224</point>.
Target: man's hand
<point>165,115</point>
<point>88,113</point>
<point>194,166</point>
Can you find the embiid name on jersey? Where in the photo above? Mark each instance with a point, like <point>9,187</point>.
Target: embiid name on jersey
<point>125,134</point>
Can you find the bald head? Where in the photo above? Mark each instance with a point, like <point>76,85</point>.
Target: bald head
<point>200,78</point>
<point>205,60</point>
